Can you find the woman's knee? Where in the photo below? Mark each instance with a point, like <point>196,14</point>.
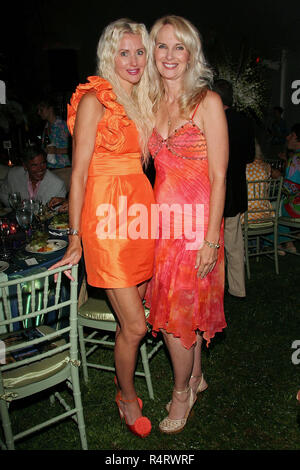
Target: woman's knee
<point>134,332</point>
<point>130,312</point>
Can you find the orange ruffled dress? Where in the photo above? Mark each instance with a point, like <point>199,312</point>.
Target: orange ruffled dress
<point>179,302</point>
<point>115,253</point>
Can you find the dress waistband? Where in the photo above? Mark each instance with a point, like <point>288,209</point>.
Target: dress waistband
<point>115,165</point>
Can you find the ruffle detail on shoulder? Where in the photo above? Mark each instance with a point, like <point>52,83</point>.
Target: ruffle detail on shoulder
<point>111,136</point>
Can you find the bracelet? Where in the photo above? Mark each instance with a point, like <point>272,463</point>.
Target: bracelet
<point>73,231</point>
<point>211,245</point>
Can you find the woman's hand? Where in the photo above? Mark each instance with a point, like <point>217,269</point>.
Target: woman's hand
<point>206,260</point>
<point>71,257</point>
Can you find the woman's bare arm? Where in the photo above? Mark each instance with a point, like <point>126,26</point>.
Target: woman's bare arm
<point>211,117</point>
<point>89,113</point>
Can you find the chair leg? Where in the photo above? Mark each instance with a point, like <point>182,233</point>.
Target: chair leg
<point>248,266</point>
<point>257,248</point>
<point>143,350</point>
<point>9,439</point>
<point>276,259</point>
<point>275,234</point>
<point>83,353</point>
<point>247,257</point>
<point>78,405</point>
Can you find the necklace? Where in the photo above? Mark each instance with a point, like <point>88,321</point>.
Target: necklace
<point>169,120</point>
<point>169,117</point>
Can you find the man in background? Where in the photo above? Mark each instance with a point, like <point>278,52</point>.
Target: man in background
<point>241,152</point>
<point>32,180</point>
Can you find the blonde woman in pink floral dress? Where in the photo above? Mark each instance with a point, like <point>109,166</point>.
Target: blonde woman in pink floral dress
<point>189,145</point>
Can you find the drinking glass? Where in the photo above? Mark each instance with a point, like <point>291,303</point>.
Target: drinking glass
<point>32,205</point>
<point>4,234</point>
<point>42,216</point>
<point>24,219</point>
<point>14,200</point>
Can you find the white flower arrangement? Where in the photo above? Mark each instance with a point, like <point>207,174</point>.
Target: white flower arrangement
<point>248,85</point>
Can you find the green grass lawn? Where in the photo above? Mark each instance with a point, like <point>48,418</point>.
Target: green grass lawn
<point>251,400</point>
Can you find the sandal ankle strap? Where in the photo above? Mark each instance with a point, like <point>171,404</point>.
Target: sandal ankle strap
<point>181,391</point>
<point>120,398</point>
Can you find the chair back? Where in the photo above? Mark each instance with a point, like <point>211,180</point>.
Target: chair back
<point>44,340</point>
<point>275,163</point>
<point>263,201</point>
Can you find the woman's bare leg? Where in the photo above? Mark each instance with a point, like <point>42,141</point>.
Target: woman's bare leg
<point>128,307</point>
<point>182,362</point>
<point>142,290</point>
<point>197,369</point>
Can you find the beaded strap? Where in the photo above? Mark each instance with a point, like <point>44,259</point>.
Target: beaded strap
<point>170,147</point>
<point>181,156</point>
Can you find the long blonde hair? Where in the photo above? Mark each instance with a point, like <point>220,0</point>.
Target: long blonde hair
<point>138,106</point>
<point>198,76</point>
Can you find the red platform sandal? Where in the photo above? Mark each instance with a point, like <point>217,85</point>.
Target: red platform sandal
<point>142,425</point>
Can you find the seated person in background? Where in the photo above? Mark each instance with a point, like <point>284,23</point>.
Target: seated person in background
<point>290,205</point>
<point>55,136</point>
<point>257,170</point>
<point>32,180</point>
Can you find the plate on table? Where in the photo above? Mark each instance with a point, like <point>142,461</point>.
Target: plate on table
<point>50,246</point>
<point>60,228</point>
<point>5,211</point>
<point>3,266</point>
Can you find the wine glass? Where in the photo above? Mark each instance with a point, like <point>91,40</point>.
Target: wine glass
<point>14,200</point>
<point>4,233</point>
<point>24,219</point>
<point>42,216</point>
<point>33,205</point>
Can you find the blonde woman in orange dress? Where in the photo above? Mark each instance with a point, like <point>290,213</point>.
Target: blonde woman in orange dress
<point>110,118</point>
<point>189,145</point>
